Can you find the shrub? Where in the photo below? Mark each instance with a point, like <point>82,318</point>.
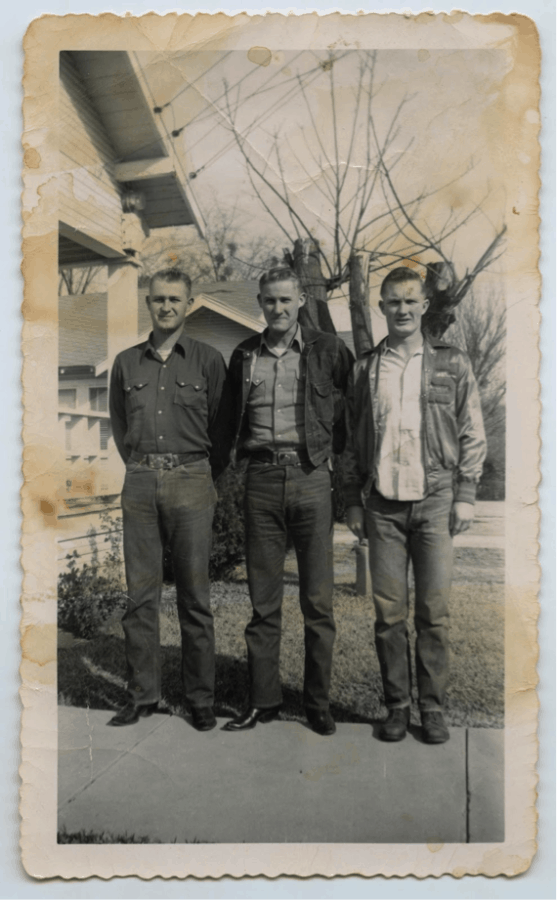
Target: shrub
<point>91,594</point>
<point>228,524</point>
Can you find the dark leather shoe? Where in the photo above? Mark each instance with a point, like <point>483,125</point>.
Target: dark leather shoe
<point>433,727</point>
<point>321,722</point>
<point>251,717</point>
<point>203,718</point>
<point>395,726</point>
<point>131,714</point>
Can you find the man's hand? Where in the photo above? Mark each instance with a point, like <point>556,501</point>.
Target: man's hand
<point>356,522</point>
<point>462,516</point>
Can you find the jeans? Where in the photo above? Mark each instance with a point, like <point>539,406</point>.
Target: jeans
<point>293,500</point>
<point>399,532</point>
<point>171,507</point>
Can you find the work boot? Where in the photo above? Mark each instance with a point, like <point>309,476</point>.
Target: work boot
<point>433,727</point>
<point>395,726</point>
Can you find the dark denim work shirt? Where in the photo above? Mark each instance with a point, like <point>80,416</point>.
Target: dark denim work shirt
<point>179,405</point>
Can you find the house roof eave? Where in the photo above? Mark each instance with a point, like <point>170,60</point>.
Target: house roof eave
<point>201,301</point>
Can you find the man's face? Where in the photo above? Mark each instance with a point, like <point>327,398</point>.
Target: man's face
<point>280,302</point>
<point>403,306</point>
<point>168,303</point>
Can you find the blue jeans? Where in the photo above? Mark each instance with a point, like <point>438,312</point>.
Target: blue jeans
<point>174,507</point>
<point>400,532</point>
<point>295,500</point>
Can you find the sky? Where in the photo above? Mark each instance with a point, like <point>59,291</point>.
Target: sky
<point>443,137</point>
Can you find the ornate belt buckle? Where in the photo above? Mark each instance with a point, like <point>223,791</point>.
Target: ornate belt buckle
<point>167,461</point>
<point>284,457</point>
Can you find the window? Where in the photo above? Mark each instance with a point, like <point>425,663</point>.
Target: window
<point>98,399</point>
<point>68,426</point>
<point>105,433</point>
<point>67,397</point>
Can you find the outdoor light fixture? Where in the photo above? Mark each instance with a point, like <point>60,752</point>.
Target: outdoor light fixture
<point>133,201</point>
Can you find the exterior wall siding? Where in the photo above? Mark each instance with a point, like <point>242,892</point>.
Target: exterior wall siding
<point>81,529</point>
<point>89,195</point>
<point>213,329</point>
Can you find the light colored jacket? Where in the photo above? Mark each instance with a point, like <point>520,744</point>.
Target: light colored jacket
<point>454,445</point>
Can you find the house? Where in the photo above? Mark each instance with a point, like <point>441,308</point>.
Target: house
<point>116,175</point>
<point>222,314</point>
<point>119,177</point>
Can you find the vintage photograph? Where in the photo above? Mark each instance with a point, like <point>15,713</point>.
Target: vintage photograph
<point>279,444</point>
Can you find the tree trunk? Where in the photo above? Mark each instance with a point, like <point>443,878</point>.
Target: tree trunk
<point>359,306</point>
<point>307,265</point>
<point>440,286</point>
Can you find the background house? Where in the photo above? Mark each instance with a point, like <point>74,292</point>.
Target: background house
<point>222,315</point>
<point>118,175</point>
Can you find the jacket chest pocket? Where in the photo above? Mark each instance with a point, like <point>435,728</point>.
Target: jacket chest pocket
<point>257,393</point>
<point>191,394</point>
<point>442,389</point>
<point>323,399</point>
<point>136,394</point>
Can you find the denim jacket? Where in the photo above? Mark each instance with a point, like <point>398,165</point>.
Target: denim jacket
<point>454,445</point>
<point>327,362</point>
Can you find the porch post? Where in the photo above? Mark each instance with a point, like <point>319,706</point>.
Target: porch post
<point>122,313</point>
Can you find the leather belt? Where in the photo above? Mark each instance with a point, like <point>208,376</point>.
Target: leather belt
<point>166,460</point>
<point>281,457</point>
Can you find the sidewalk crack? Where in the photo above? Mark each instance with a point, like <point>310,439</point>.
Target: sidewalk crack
<point>467,777</point>
<point>109,766</point>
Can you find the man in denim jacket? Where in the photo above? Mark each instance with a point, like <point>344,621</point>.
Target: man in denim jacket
<point>415,453</point>
<point>288,384</point>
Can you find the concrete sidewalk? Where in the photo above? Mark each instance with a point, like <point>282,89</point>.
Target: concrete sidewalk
<point>164,781</point>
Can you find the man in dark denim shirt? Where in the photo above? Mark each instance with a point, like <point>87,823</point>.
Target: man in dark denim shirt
<point>288,384</point>
<point>171,423</point>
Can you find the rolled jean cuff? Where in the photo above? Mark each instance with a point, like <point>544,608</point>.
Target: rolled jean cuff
<point>398,705</point>
<point>430,708</point>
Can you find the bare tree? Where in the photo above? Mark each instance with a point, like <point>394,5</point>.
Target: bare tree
<point>77,279</point>
<point>223,256</point>
<point>480,330</point>
<point>372,221</point>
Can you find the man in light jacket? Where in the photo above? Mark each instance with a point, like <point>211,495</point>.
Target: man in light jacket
<point>415,452</point>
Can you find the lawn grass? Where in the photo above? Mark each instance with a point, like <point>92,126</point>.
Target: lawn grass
<point>92,673</point>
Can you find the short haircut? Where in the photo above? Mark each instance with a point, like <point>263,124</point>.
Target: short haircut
<point>279,273</point>
<point>398,276</point>
<point>171,276</point>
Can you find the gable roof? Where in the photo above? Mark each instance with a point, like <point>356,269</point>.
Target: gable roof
<point>83,319</point>
<point>238,299</point>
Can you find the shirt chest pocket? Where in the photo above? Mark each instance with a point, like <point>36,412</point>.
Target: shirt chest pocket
<point>257,394</point>
<point>136,394</point>
<point>191,394</point>
<point>442,389</point>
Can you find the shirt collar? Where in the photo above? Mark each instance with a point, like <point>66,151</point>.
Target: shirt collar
<point>296,339</point>
<point>180,344</point>
<point>386,349</point>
